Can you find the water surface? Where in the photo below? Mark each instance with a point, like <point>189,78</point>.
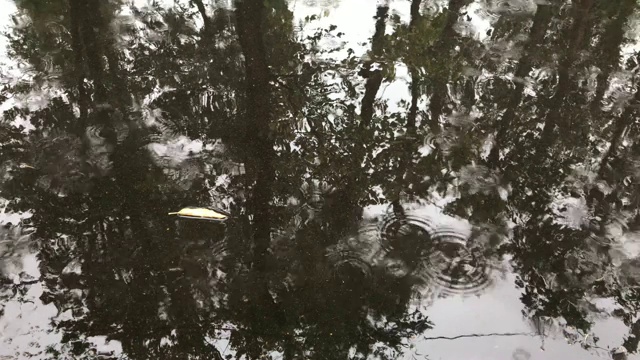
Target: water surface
<point>419,179</point>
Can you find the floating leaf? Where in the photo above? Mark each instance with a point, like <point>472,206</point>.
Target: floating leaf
<point>202,214</point>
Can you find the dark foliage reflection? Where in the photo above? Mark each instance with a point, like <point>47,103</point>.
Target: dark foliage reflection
<point>513,151</point>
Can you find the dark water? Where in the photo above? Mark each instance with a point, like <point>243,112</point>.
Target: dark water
<point>420,179</point>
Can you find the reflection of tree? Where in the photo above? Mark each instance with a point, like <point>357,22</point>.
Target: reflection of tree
<point>284,148</point>
<point>608,51</point>
<point>538,30</point>
<point>440,52</point>
<point>97,240</point>
<point>298,300</point>
<point>251,19</point>
<point>116,265</point>
<point>578,37</point>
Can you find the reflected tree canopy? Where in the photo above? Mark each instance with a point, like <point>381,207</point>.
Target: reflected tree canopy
<point>362,183</point>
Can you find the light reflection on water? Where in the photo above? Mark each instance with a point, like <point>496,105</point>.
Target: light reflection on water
<point>544,229</point>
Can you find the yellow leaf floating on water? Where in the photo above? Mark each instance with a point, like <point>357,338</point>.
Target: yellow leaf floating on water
<point>201,213</point>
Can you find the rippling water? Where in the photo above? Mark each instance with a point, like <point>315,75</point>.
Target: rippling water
<point>442,254</point>
<point>449,179</point>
